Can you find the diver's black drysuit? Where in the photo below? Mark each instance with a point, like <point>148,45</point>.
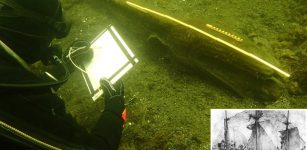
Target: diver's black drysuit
<point>37,111</point>
<point>41,114</point>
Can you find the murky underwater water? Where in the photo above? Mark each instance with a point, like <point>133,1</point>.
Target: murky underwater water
<point>168,102</point>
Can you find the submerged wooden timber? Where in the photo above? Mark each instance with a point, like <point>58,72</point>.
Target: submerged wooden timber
<point>245,73</point>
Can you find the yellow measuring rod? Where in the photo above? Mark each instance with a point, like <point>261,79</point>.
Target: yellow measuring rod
<point>252,56</point>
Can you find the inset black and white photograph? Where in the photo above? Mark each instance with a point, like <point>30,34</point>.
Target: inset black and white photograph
<point>267,129</point>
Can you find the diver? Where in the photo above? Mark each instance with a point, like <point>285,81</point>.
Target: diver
<point>32,116</point>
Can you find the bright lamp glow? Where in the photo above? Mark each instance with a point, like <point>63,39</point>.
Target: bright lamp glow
<point>112,58</point>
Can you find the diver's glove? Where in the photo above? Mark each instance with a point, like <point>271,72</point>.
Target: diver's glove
<point>52,55</point>
<point>114,98</point>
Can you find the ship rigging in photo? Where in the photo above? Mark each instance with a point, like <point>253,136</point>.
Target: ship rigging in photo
<point>266,130</point>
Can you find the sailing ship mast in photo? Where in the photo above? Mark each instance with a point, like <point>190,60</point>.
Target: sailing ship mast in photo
<point>255,129</point>
<point>225,144</point>
<point>226,131</point>
<point>259,139</point>
<point>290,137</point>
<point>260,130</point>
<point>285,140</point>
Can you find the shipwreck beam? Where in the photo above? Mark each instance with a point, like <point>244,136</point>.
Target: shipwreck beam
<point>244,72</point>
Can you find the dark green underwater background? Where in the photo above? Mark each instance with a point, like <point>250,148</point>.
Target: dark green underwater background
<point>168,101</point>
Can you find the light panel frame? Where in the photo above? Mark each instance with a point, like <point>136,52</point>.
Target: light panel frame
<point>112,58</point>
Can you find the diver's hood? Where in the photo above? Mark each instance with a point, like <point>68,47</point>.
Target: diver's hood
<point>41,18</point>
<point>28,26</point>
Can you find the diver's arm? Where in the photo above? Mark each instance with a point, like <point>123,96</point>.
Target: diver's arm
<point>108,129</point>
<point>110,125</point>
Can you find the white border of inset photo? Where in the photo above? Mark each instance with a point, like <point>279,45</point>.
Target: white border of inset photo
<point>240,127</point>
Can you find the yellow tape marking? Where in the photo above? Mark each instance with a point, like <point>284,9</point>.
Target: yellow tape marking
<point>224,32</point>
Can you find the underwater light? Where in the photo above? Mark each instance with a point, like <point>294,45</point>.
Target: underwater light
<point>112,58</point>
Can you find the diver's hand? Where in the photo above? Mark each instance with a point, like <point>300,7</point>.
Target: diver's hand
<point>114,97</point>
<point>52,55</point>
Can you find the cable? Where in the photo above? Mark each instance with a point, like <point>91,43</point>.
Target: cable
<point>15,56</point>
<point>39,85</point>
<point>75,46</point>
<point>72,50</point>
<point>26,136</point>
<point>69,56</point>
<point>26,66</point>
